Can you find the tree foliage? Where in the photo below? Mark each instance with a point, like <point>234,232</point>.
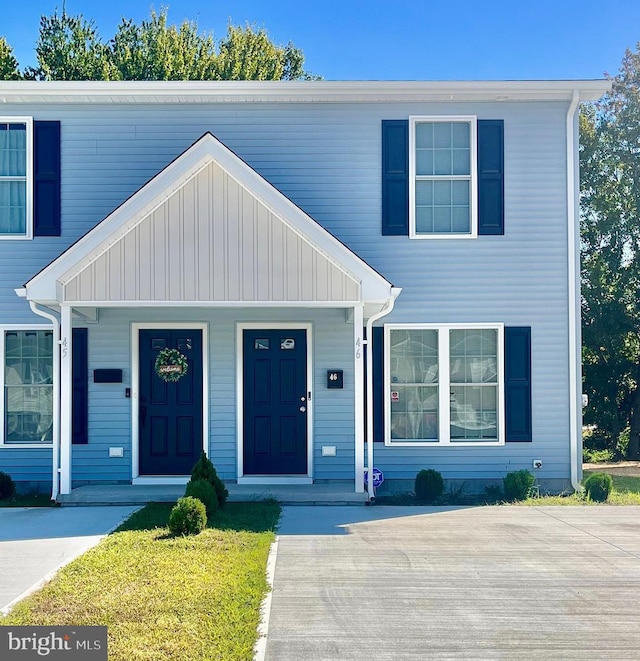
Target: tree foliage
<point>610,224</point>
<point>8,63</point>
<point>70,48</point>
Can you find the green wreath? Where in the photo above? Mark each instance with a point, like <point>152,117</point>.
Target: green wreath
<point>171,365</point>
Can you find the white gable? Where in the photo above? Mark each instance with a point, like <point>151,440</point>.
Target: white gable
<point>208,229</point>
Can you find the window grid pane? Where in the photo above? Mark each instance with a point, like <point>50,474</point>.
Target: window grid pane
<point>473,368</point>
<point>414,385</point>
<point>443,178</point>
<point>28,375</point>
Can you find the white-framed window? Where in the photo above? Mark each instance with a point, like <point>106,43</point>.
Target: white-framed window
<point>443,177</point>
<point>27,386</point>
<point>444,384</point>
<point>16,177</point>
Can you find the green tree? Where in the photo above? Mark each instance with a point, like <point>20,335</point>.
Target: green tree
<point>70,48</point>
<point>8,63</point>
<point>610,224</point>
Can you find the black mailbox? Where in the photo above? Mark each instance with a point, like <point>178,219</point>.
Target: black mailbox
<point>335,379</point>
<point>107,376</point>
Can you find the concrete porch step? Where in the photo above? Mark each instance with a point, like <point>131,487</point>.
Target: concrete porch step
<point>127,494</point>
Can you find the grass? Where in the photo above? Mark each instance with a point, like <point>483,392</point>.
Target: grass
<point>28,500</point>
<point>165,597</point>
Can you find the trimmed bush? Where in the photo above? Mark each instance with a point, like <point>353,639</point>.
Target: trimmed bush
<point>429,485</point>
<point>205,493</point>
<point>517,485</point>
<point>7,486</point>
<point>203,469</point>
<point>598,486</point>
<point>188,517</point>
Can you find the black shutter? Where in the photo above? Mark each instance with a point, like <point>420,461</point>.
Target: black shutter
<point>46,179</point>
<point>378,384</point>
<point>395,177</point>
<point>517,384</point>
<point>80,378</point>
<point>490,176</point>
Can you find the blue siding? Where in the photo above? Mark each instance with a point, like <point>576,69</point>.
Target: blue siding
<point>327,159</point>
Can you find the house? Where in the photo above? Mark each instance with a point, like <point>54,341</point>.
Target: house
<point>275,272</point>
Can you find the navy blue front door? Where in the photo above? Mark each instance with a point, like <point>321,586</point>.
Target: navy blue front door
<point>170,413</point>
<point>275,402</point>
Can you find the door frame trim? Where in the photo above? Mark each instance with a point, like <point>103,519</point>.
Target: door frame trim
<point>135,392</point>
<point>267,326</point>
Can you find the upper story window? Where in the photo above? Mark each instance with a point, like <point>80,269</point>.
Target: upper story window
<point>16,177</point>
<point>442,177</point>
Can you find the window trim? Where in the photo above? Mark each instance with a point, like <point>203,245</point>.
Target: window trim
<point>472,120</point>
<point>4,328</point>
<point>5,119</point>
<point>444,381</point>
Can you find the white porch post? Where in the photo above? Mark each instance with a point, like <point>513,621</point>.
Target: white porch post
<point>358,388</point>
<point>66,392</point>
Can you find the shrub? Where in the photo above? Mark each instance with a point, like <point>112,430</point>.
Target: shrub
<point>204,492</point>
<point>188,517</point>
<point>517,485</point>
<point>7,486</point>
<point>429,485</point>
<point>597,456</point>
<point>598,486</point>
<point>203,469</point>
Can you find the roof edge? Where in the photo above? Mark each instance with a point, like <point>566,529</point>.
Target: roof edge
<point>297,91</point>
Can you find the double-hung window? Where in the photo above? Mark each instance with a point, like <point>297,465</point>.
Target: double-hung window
<point>442,177</point>
<point>27,387</point>
<point>16,177</point>
<point>444,384</point>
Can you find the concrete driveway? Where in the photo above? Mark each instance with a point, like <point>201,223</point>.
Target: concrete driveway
<point>504,582</point>
<point>36,541</point>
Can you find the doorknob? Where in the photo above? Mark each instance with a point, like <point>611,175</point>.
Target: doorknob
<point>143,415</point>
<point>303,409</point>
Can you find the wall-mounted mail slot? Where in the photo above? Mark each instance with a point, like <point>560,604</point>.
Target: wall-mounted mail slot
<point>107,376</point>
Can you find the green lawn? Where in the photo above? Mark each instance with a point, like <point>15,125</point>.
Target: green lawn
<point>28,500</point>
<point>626,491</point>
<point>164,597</point>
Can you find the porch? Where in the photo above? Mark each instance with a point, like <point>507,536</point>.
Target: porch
<point>328,493</point>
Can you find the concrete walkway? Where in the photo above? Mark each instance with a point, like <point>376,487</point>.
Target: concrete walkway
<point>453,583</point>
<point>36,541</point>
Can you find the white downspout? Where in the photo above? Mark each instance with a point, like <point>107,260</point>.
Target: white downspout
<point>56,395</point>
<point>575,336</point>
<point>387,309</point>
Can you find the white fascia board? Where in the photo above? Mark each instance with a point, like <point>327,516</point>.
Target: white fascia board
<point>297,91</point>
<point>45,286</point>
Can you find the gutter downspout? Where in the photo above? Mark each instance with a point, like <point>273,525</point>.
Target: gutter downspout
<point>575,336</point>
<point>56,394</point>
<point>387,309</point>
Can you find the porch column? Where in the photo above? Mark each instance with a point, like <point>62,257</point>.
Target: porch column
<point>66,393</point>
<point>358,391</point>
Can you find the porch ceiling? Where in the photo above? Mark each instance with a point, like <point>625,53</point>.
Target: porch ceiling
<point>208,230</point>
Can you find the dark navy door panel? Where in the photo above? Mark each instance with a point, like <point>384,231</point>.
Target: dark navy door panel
<point>275,402</point>
<point>170,413</point>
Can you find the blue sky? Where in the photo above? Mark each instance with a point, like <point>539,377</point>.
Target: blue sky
<point>392,39</point>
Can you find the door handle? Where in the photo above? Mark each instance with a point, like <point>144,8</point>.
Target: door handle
<point>303,409</point>
<point>143,415</point>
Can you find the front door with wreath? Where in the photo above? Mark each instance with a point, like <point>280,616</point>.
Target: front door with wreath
<point>170,401</point>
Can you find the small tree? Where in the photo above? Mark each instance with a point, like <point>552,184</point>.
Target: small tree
<point>203,469</point>
<point>8,63</point>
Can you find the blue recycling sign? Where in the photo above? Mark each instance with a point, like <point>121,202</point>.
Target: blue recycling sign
<point>378,477</point>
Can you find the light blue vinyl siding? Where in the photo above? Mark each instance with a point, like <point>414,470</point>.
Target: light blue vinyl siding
<point>327,159</point>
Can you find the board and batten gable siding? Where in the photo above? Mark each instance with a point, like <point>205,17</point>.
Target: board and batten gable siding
<point>212,240</point>
<point>110,410</point>
<point>327,159</point>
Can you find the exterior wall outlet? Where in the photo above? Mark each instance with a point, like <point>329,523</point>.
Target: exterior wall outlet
<point>537,463</point>
<point>116,452</point>
<point>328,450</point>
